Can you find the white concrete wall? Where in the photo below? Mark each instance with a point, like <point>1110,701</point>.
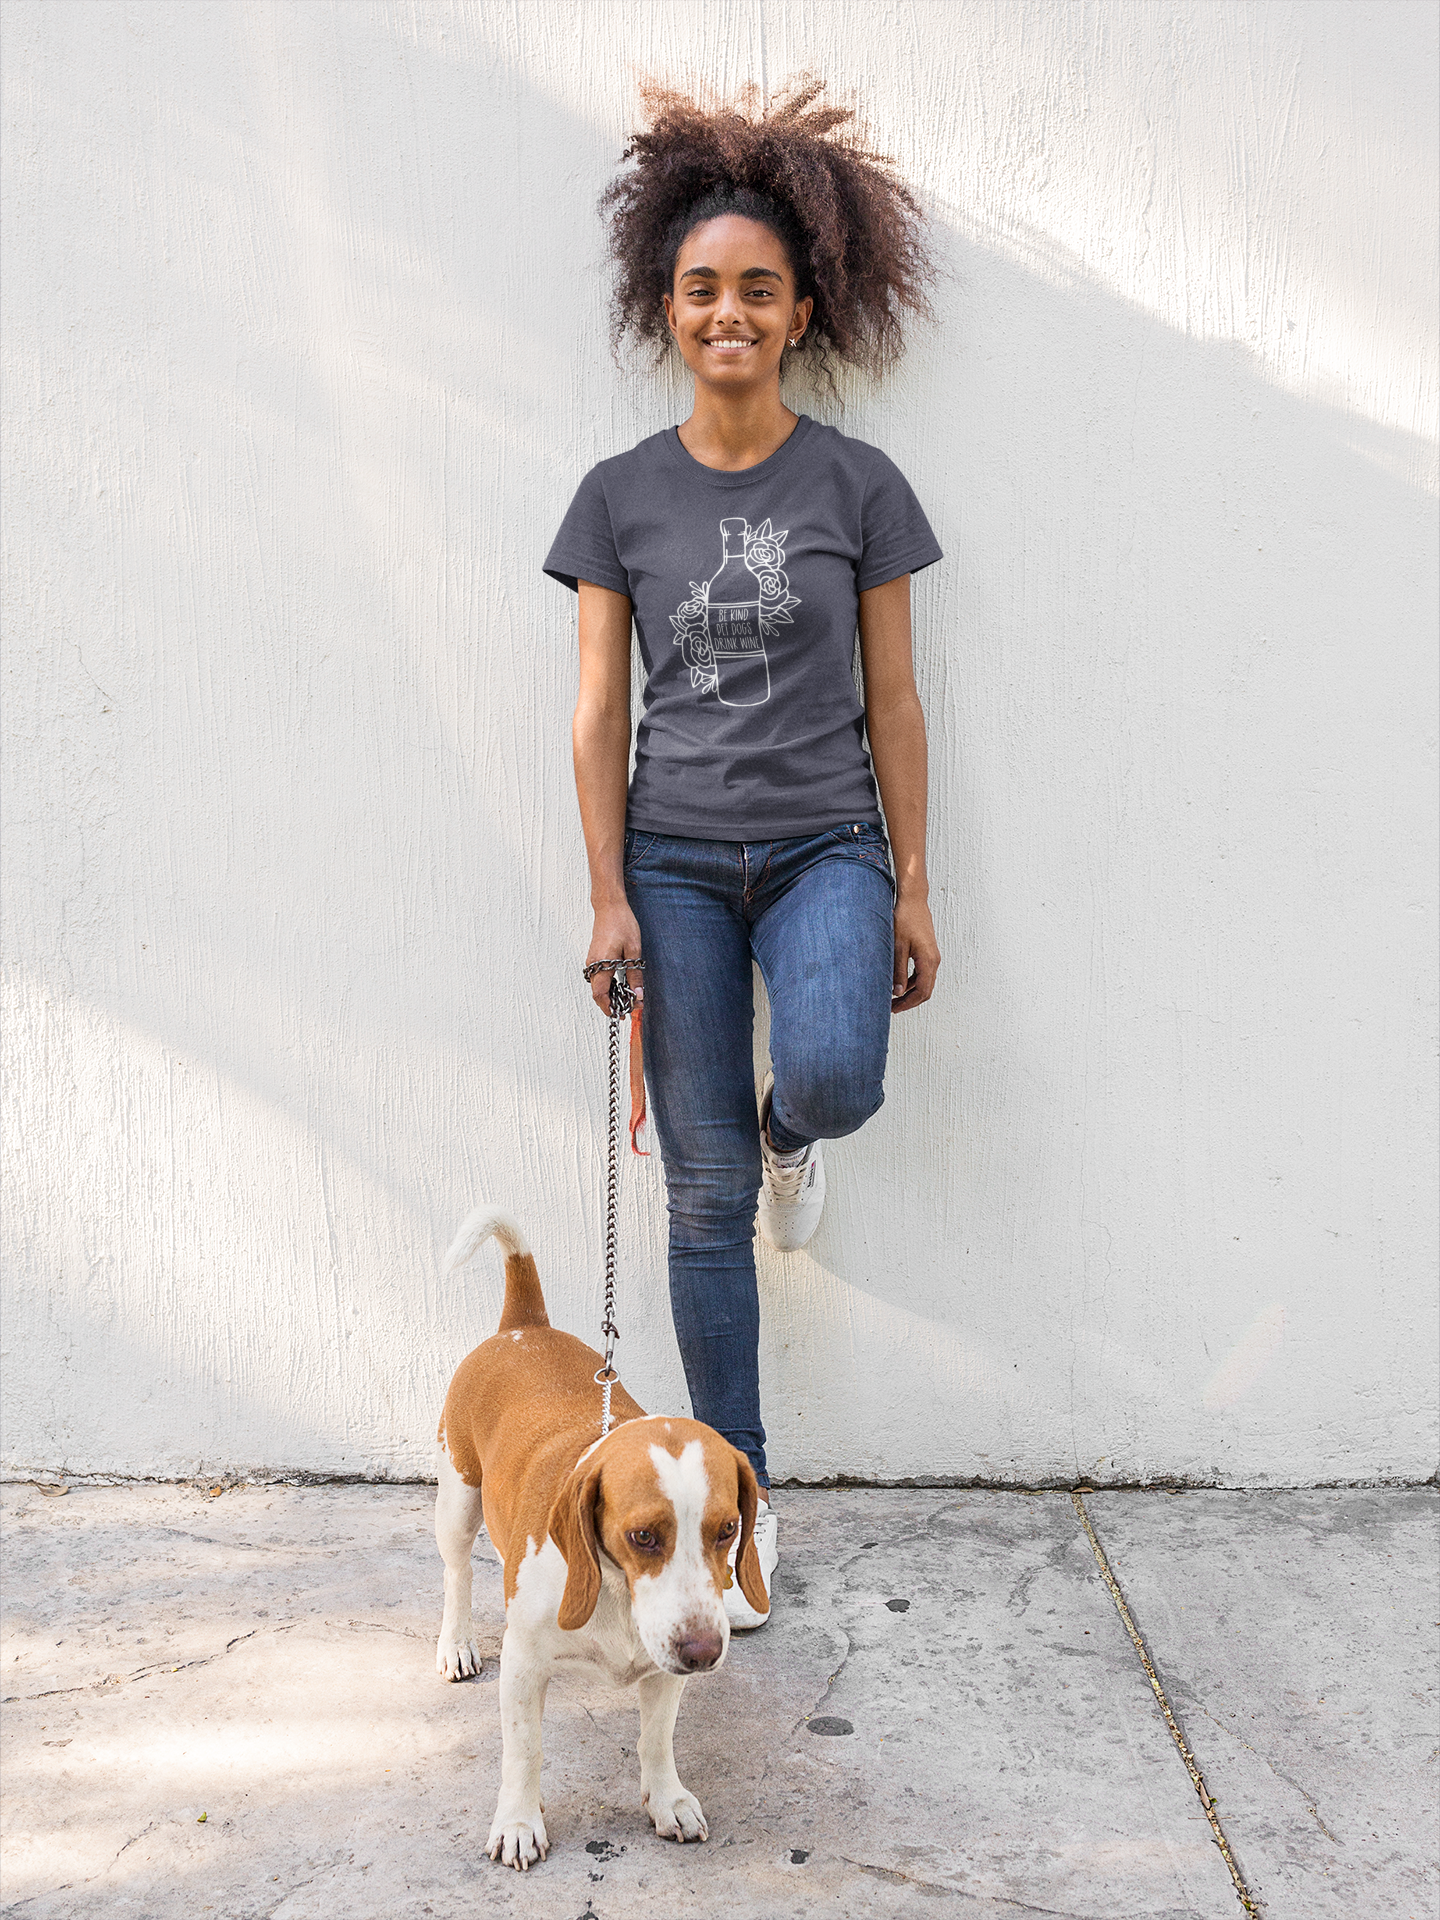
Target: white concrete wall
<point>304,315</point>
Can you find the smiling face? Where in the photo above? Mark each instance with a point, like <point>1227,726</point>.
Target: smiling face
<point>733,303</point>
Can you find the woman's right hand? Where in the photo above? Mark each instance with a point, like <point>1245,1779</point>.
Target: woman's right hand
<point>616,937</point>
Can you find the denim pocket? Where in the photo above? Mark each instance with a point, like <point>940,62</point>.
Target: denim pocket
<point>637,845</point>
<point>867,842</point>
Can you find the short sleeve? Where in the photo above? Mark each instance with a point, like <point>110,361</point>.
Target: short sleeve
<point>895,536</point>
<point>584,548</point>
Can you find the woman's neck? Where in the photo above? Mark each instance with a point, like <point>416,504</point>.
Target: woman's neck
<point>738,430</point>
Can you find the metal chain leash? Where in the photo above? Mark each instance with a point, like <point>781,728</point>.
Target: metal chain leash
<point>622,1000</point>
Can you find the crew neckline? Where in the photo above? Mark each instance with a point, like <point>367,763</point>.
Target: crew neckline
<point>738,476</point>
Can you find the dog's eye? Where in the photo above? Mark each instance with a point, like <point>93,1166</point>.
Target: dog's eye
<point>643,1540</point>
<point>727,1531</point>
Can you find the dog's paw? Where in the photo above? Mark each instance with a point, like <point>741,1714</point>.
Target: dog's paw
<point>520,1841</point>
<point>456,1659</point>
<point>677,1815</point>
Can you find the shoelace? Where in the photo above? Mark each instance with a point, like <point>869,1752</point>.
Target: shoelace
<point>785,1183</point>
<point>765,1527</point>
<point>765,1524</point>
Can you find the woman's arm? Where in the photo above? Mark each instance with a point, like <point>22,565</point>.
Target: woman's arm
<point>896,726</point>
<point>601,737</point>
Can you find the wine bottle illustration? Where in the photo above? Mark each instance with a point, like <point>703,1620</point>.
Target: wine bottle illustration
<point>732,621</point>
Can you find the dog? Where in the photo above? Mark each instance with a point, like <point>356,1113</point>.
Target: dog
<point>616,1550</point>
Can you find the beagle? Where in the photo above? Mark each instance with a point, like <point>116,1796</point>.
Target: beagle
<point>615,1550</point>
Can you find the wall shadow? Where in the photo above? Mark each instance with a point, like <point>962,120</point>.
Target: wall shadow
<point>331,866</point>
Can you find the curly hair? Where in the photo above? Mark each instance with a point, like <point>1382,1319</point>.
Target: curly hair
<point>854,234</point>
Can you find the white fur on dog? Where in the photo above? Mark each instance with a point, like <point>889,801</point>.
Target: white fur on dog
<point>632,1644</point>
<point>680,1600</point>
<point>477,1230</point>
<point>533,1648</point>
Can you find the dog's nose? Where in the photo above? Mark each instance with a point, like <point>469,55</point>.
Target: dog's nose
<point>699,1649</point>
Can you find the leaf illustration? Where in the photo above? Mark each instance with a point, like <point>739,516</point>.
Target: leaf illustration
<point>761,533</point>
<point>777,613</point>
<point>779,538</point>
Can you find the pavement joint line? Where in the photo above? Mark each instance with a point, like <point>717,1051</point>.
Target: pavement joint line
<point>1248,1900</point>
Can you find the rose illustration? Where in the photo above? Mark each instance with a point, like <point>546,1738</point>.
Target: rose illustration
<point>688,620</point>
<point>763,556</point>
<point>773,585</point>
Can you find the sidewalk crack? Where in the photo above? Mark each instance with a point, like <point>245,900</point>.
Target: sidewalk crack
<point>1296,1786</point>
<point>937,1889</point>
<point>898,1879</point>
<point>148,1672</point>
<point>383,1626</point>
<point>810,1712</point>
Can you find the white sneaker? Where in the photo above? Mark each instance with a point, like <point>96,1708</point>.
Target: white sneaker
<point>792,1190</point>
<point>741,1614</point>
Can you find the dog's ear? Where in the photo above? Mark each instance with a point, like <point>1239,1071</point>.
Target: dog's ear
<point>572,1528</point>
<point>747,1561</point>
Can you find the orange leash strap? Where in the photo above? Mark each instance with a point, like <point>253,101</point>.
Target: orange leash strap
<point>637,1079</point>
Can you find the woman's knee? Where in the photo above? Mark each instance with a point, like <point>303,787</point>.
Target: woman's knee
<point>826,1105</point>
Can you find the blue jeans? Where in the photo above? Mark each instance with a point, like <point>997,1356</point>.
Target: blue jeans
<point>817,913</point>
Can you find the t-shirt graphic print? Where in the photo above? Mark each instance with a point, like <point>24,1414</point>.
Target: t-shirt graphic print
<point>745,589</point>
<point>721,629</point>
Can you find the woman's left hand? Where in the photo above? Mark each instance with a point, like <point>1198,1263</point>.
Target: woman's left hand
<point>915,945</point>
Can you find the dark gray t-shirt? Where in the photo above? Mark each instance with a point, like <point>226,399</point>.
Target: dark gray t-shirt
<point>746,591</point>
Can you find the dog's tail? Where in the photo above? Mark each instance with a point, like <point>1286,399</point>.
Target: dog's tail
<point>524,1301</point>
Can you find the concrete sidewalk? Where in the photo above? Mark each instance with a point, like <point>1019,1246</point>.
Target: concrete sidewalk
<point>945,1715</point>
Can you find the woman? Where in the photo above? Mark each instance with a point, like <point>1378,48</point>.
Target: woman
<point>746,545</point>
